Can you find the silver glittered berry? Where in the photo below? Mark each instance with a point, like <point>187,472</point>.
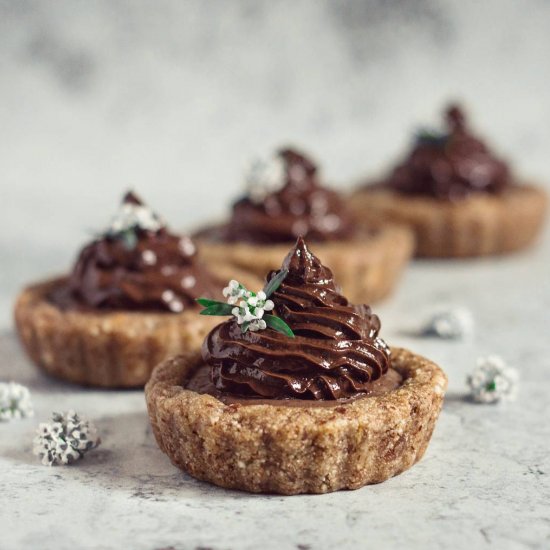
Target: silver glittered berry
<point>449,324</point>
<point>15,401</point>
<point>65,439</point>
<point>492,380</point>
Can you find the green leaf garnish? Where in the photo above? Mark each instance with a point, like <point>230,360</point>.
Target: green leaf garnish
<point>275,282</point>
<point>205,302</point>
<point>218,308</point>
<point>276,323</point>
<point>129,239</point>
<point>249,306</point>
<point>431,137</point>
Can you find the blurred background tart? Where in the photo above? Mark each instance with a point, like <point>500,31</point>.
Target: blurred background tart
<point>285,200</point>
<point>128,303</point>
<point>458,197</point>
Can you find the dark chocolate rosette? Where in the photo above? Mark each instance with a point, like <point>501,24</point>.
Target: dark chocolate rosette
<point>137,264</point>
<point>285,201</point>
<point>335,353</point>
<point>450,165</point>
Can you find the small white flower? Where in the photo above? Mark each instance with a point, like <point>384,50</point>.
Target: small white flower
<point>248,315</point>
<point>492,380</point>
<point>264,177</point>
<point>234,291</point>
<point>131,216</point>
<point>64,440</point>
<point>231,287</point>
<point>450,324</point>
<point>15,401</point>
<point>258,324</point>
<point>250,307</point>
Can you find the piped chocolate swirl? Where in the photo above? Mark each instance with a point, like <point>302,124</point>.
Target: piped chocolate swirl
<point>336,352</point>
<point>286,201</point>
<point>450,165</point>
<point>137,264</point>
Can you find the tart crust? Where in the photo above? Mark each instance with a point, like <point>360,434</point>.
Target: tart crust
<point>366,268</point>
<point>288,450</point>
<point>102,348</point>
<point>480,225</point>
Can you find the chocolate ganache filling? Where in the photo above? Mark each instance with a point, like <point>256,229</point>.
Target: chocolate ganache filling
<point>451,165</point>
<point>336,352</point>
<point>286,201</point>
<point>137,264</point>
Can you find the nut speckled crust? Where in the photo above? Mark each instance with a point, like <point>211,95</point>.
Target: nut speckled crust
<point>480,225</point>
<point>366,268</point>
<point>278,449</point>
<point>108,349</point>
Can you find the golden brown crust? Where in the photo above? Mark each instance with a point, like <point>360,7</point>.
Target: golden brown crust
<point>367,269</point>
<point>480,225</point>
<point>289,450</point>
<point>106,349</point>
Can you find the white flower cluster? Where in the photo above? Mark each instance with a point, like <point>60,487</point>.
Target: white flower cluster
<point>130,216</point>
<point>492,380</point>
<point>450,324</point>
<point>15,401</point>
<point>65,439</point>
<point>265,176</point>
<point>251,307</point>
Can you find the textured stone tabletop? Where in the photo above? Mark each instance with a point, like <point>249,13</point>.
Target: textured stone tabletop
<point>484,481</point>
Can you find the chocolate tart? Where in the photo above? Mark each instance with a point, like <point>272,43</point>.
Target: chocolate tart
<point>458,198</point>
<point>332,408</point>
<point>97,348</point>
<point>128,304</point>
<point>285,201</point>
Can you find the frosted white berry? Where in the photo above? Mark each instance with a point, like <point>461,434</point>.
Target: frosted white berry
<point>65,439</point>
<point>15,401</point>
<point>492,380</point>
<point>450,324</point>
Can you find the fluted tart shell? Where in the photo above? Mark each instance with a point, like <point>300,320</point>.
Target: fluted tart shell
<point>481,225</point>
<point>265,448</point>
<point>110,349</point>
<point>366,268</point>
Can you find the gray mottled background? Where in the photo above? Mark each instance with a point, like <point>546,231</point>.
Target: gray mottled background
<point>172,98</point>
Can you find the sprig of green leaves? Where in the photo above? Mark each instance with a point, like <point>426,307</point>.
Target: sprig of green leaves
<point>275,282</point>
<point>426,136</point>
<point>214,307</point>
<point>276,323</point>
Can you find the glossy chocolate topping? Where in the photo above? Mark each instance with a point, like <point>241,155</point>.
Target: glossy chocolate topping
<point>299,206</point>
<point>451,165</point>
<point>336,352</point>
<point>139,265</point>
<point>201,382</point>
